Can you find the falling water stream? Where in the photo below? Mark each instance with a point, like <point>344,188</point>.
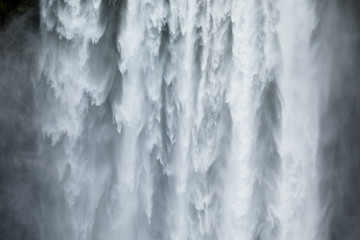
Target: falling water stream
<point>182,120</point>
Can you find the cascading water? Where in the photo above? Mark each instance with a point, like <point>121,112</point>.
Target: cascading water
<point>182,120</point>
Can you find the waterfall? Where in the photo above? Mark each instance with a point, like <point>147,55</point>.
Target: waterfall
<point>181,120</point>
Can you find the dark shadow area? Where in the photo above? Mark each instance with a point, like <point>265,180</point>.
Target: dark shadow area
<point>18,139</point>
<point>339,147</point>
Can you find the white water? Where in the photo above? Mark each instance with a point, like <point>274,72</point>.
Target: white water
<point>166,117</point>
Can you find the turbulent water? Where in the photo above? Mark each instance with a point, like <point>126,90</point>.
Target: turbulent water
<point>181,120</point>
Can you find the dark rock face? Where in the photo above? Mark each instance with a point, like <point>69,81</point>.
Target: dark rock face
<point>11,8</point>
